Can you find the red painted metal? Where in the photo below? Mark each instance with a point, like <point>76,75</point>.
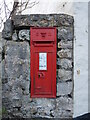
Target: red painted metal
<point>43,62</point>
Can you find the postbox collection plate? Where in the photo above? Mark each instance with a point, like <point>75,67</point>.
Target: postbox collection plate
<point>43,62</point>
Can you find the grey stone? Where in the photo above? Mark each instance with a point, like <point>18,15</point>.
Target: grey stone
<point>63,103</point>
<point>17,114</point>
<point>6,102</point>
<point>20,85</point>
<point>33,110</point>
<point>16,87</point>
<point>27,102</point>
<point>64,63</point>
<point>44,106</point>
<point>0,58</point>
<point>24,35</point>
<point>65,44</point>
<point>65,53</point>
<point>14,36</point>
<point>57,113</point>
<point>8,29</point>
<point>25,87</point>
<point>4,41</point>
<point>65,33</point>
<point>6,87</point>
<point>0,43</point>
<point>4,73</point>
<point>43,20</point>
<point>17,57</point>
<point>64,88</point>
<point>64,75</point>
<point>17,49</point>
<point>33,20</point>
<point>0,48</point>
<point>65,20</point>
<point>16,103</point>
<point>45,103</point>
<point>67,114</point>
<point>22,20</point>
<point>16,92</point>
<point>13,92</point>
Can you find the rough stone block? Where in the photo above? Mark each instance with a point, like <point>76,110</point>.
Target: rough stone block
<point>65,33</point>
<point>64,63</point>
<point>14,36</point>
<point>16,103</point>
<point>65,44</point>
<point>64,75</point>
<point>4,74</point>
<point>64,88</point>
<point>65,20</point>
<point>4,41</point>
<point>18,59</point>
<point>17,114</point>
<point>8,29</point>
<point>67,114</point>
<point>44,107</point>
<point>33,111</point>
<point>64,103</point>
<point>33,20</point>
<point>43,20</point>
<point>0,49</point>
<point>65,53</point>
<point>45,103</point>
<point>14,91</point>
<point>24,35</point>
<point>20,85</point>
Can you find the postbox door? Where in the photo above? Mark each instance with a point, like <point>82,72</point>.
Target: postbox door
<point>43,62</point>
<point>43,69</point>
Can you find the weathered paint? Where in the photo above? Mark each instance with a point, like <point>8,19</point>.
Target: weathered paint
<point>43,69</point>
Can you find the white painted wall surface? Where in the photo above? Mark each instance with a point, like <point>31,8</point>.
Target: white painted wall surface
<point>81,58</point>
<point>50,6</point>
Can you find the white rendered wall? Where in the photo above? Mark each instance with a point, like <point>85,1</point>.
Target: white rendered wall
<point>80,58</point>
<point>50,6</point>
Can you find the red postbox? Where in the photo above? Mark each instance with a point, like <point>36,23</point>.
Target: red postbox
<point>43,62</point>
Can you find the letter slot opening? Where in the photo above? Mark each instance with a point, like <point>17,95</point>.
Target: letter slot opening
<point>43,43</point>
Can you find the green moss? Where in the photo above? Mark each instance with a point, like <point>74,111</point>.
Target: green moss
<point>4,111</point>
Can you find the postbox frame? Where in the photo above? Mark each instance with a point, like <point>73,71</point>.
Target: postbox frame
<point>32,45</point>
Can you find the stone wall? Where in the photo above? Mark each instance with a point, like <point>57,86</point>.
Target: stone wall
<point>0,77</point>
<point>16,68</point>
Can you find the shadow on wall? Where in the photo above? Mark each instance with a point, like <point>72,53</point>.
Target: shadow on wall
<point>83,117</point>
